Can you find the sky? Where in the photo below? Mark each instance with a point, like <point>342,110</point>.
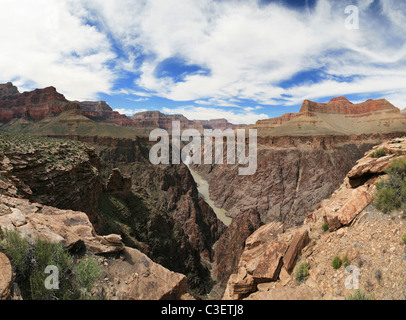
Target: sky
<point>243,60</point>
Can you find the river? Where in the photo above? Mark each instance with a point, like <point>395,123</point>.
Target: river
<point>203,188</point>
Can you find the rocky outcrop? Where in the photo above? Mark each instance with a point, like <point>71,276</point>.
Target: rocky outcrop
<point>101,111</point>
<point>53,172</point>
<point>230,246</point>
<point>118,185</point>
<point>8,89</point>
<point>270,253</point>
<point>136,277</point>
<point>34,105</point>
<point>129,274</point>
<point>358,234</point>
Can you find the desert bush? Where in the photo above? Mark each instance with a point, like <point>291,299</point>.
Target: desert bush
<point>358,295</point>
<point>324,227</point>
<point>378,153</point>
<point>336,263</point>
<point>302,272</point>
<point>404,238</point>
<point>31,261</point>
<point>392,191</point>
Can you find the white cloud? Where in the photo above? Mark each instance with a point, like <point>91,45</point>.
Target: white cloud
<point>248,49</point>
<point>43,44</point>
<point>207,113</point>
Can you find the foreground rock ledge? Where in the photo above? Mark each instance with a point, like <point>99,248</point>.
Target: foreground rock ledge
<point>129,275</point>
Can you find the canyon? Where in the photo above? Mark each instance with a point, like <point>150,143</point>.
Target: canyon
<point>92,161</point>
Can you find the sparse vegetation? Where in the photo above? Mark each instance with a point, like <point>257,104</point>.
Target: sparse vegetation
<point>358,295</point>
<point>31,261</point>
<point>378,153</point>
<point>325,226</point>
<point>404,238</point>
<point>302,272</point>
<point>337,262</point>
<point>346,261</point>
<point>392,191</point>
<point>50,152</point>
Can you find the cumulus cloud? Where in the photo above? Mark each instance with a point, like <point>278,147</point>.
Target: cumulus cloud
<point>250,48</point>
<point>246,50</point>
<point>44,44</point>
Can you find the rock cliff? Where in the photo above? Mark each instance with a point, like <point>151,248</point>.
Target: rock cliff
<point>128,274</point>
<point>35,105</point>
<point>59,173</point>
<point>8,89</point>
<point>338,116</point>
<point>359,234</point>
<point>101,111</point>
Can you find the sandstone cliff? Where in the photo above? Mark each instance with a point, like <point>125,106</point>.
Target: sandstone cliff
<point>35,105</point>
<point>339,116</point>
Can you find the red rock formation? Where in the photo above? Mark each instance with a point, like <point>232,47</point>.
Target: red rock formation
<point>342,105</point>
<point>335,117</point>
<point>101,111</point>
<point>156,119</point>
<point>35,105</point>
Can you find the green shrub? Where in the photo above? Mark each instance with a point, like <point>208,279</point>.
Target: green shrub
<point>17,249</point>
<point>325,226</point>
<point>88,272</point>
<point>31,260</point>
<point>336,263</point>
<point>378,153</point>
<point>302,272</point>
<point>404,238</point>
<point>358,295</point>
<point>392,191</point>
<point>346,261</point>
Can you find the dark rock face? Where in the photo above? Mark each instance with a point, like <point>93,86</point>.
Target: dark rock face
<point>118,185</point>
<point>163,216</point>
<point>294,174</point>
<point>54,173</point>
<point>8,89</point>
<point>231,244</point>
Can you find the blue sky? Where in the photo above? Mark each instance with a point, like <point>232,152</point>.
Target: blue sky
<point>242,60</point>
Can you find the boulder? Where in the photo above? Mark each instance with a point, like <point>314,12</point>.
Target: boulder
<point>299,241</point>
<point>6,277</point>
<point>269,267</point>
<point>136,277</point>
